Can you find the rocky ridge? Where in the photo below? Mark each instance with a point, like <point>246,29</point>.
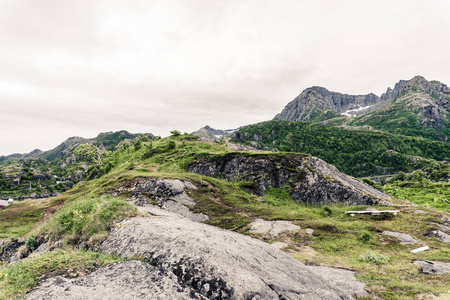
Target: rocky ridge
<point>310,179</point>
<point>411,103</point>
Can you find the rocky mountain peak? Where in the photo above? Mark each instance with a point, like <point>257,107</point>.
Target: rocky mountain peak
<point>418,84</point>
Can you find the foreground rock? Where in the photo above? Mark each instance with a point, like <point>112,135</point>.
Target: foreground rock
<point>124,280</point>
<point>219,264</point>
<point>168,194</point>
<point>274,228</point>
<point>310,179</point>
<point>404,238</point>
<point>433,267</point>
<point>442,236</point>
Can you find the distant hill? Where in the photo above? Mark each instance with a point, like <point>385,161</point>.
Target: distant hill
<point>213,134</point>
<point>415,107</point>
<point>41,173</point>
<point>354,152</point>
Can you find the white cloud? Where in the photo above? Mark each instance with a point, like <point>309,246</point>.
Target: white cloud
<point>81,67</point>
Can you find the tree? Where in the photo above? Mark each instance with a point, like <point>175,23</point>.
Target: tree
<point>137,145</point>
<point>175,133</point>
<point>89,153</point>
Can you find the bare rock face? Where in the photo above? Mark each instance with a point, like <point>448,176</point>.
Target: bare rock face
<point>311,180</point>
<point>274,228</point>
<point>220,264</point>
<point>124,280</point>
<point>433,267</point>
<point>8,248</point>
<point>168,194</point>
<point>314,100</point>
<point>403,237</point>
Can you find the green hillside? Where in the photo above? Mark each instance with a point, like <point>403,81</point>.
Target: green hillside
<point>85,214</point>
<point>355,152</point>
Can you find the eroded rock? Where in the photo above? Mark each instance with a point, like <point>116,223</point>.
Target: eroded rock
<point>442,236</point>
<point>310,179</point>
<point>219,264</point>
<point>274,228</point>
<point>403,237</point>
<point>433,267</point>
<point>168,194</point>
<point>8,248</point>
<point>124,280</point>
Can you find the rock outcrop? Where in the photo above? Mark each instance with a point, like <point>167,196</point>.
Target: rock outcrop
<point>217,263</point>
<point>168,194</point>
<point>433,267</point>
<point>312,101</point>
<point>310,179</point>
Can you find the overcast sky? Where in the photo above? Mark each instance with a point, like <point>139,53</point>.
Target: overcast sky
<point>78,68</point>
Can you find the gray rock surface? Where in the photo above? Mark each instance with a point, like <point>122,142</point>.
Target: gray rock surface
<point>8,248</point>
<point>316,99</point>
<point>433,267</point>
<point>124,280</point>
<point>169,194</point>
<point>274,228</point>
<point>310,179</point>
<point>309,231</point>
<point>219,264</point>
<point>342,278</point>
<point>403,237</point>
<point>442,236</point>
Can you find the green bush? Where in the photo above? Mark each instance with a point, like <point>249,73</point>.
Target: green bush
<point>373,258</point>
<point>79,220</point>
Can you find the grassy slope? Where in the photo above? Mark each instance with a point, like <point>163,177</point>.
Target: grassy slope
<point>339,240</point>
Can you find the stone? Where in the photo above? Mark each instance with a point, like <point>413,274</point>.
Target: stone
<point>170,194</point>
<point>274,228</point>
<point>403,237</point>
<point>311,180</point>
<point>433,267</point>
<point>8,248</point>
<point>214,261</point>
<point>309,231</point>
<point>443,227</point>
<point>442,236</point>
<point>279,245</point>
<point>123,280</point>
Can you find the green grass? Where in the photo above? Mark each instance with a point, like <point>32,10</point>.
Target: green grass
<point>20,278</point>
<point>18,219</point>
<point>436,195</point>
<point>87,219</point>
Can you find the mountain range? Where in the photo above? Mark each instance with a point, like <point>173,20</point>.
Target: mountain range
<point>415,107</point>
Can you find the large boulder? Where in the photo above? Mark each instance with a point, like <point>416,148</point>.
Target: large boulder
<point>220,264</point>
<point>310,179</point>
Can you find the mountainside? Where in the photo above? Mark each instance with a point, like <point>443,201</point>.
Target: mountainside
<point>41,174</point>
<point>415,107</point>
<point>318,104</point>
<point>213,134</point>
<point>354,152</point>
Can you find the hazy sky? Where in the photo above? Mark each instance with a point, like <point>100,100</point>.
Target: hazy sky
<point>78,68</point>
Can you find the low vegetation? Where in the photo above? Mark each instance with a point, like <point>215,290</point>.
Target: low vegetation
<point>18,279</point>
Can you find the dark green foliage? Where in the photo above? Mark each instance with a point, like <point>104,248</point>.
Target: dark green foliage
<point>31,243</point>
<point>355,152</point>
<point>175,133</point>
<point>137,145</point>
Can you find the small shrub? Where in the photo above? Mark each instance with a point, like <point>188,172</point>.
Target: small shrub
<point>31,243</point>
<point>366,237</point>
<point>373,258</point>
